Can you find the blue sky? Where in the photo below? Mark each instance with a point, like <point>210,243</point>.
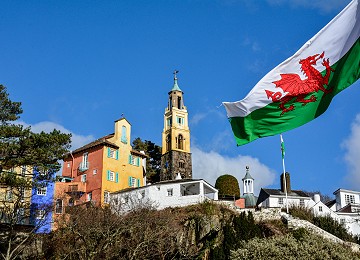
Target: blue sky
<point>78,65</point>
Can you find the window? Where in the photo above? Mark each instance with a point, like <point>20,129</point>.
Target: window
<point>94,171</point>
<point>181,165</point>
<point>320,209</point>
<point>40,214</point>
<point>68,165</point>
<point>131,160</point>
<point>83,178</point>
<point>111,176</point>
<point>180,121</point>
<point>9,195</point>
<point>169,121</point>
<point>112,153</point>
<point>168,143</point>
<point>85,158</point>
<point>179,103</point>
<point>23,171</point>
<point>71,202</point>
<point>302,203</point>
<point>281,201</point>
<point>41,191</point>
<point>59,206</point>
<point>133,181</point>
<point>22,193</point>
<point>20,216</point>
<point>89,196</point>
<point>342,221</point>
<point>134,160</point>
<point>180,141</point>
<point>84,165</point>
<point>123,134</point>
<point>349,198</point>
<point>106,197</point>
<point>169,192</point>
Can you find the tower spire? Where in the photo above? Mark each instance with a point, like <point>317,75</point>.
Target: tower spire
<point>176,155</point>
<point>175,87</point>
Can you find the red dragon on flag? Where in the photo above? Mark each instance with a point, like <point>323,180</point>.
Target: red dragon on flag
<point>296,88</point>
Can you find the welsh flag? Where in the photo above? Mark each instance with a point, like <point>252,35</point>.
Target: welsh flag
<point>302,87</point>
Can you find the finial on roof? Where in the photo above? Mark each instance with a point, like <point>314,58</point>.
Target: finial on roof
<point>175,87</point>
<point>247,175</point>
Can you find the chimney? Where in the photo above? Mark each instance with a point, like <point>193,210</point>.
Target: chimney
<point>317,198</point>
<point>288,186</point>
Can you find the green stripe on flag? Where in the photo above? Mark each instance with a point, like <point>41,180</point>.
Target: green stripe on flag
<point>267,121</point>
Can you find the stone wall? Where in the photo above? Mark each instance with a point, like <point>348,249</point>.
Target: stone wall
<point>170,165</point>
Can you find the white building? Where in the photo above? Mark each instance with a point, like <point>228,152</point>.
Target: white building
<point>345,208</point>
<point>173,193</point>
<point>274,198</point>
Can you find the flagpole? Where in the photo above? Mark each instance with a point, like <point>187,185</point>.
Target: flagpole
<point>284,172</point>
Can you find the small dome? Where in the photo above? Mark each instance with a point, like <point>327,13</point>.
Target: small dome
<point>250,200</point>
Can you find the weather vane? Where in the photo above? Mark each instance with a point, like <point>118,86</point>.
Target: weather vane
<point>175,72</point>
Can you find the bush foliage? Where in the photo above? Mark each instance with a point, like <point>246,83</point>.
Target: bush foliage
<point>298,245</point>
<point>326,223</point>
<point>228,185</point>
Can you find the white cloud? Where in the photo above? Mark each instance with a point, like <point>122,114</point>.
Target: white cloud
<point>210,165</point>
<point>47,126</point>
<point>352,156</point>
<point>324,6</point>
<point>197,118</point>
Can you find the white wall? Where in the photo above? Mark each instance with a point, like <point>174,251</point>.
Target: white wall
<point>162,195</point>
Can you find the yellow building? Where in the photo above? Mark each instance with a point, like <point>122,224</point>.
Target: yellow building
<point>106,165</point>
<point>15,199</point>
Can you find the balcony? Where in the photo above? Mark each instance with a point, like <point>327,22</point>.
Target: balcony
<point>83,166</point>
<point>76,190</point>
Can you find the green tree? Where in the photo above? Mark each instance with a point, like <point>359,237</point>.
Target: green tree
<point>153,164</point>
<point>20,147</point>
<point>228,186</point>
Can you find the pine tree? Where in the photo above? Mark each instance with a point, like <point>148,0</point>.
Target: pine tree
<point>20,148</point>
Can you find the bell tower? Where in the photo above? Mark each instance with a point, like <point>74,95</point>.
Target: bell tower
<point>176,156</point>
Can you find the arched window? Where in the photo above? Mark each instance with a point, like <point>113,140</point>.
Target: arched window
<point>123,134</point>
<point>168,143</point>
<point>180,142</point>
<point>179,103</point>
<point>59,206</point>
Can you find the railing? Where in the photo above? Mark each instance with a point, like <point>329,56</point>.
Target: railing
<point>73,188</point>
<point>76,188</point>
<point>84,166</point>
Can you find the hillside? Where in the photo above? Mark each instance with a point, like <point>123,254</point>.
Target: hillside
<point>204,231</point>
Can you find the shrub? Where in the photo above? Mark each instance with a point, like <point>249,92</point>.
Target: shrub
<point>301,245</point>
<point>330,225</point>
<point>301,213</point>
<point>228,185</point>
<point>241,228</point>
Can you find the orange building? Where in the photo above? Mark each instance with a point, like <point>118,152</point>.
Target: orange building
<point>105,165</point>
